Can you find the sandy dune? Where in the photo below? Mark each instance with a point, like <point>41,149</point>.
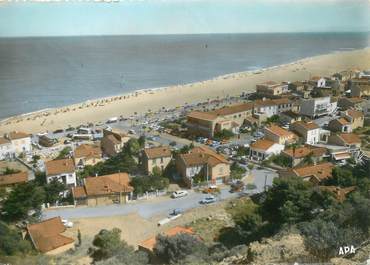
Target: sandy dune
<point>142,101</point>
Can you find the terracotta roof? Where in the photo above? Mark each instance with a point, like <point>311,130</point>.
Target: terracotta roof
<point>112,139</point>
<point>88,150</point>
<point>56,167</point>
<point>79,192</point>
<point>232,109</point>
<point>156,152</point>
<point>354,113</point>
<point>104,185</point>
<point>279,131</point>
<point>350,138</point>
<point>315,78</point>
<point>262,144</point>
<point>17,135</point>
<point>307,125</point>
<point>271,102</point>
<point>319,171</point>
<point>339,193</point>
<point>342,121</point>
<point>15,178</point>
<point>46,235</point>
<point>303,151</point>
<point>201,156</point>
<point>4,140</point>
<point>342,155</point>
<point>149,244</point>
<point>202,115</point>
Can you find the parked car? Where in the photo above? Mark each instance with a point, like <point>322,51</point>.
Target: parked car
<point>179,194</point>
<point>67,223</point>
<point>208,200</point>
<point>176,212</point>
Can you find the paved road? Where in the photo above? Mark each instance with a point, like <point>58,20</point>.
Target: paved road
<point>148,208</point>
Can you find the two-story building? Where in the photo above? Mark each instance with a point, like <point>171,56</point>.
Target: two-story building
<point>350,103</point>
<point>87,155</point>
<point>158,157</point>
<point>262,149</point>
<point>279,135</point>
<point>309,131</point>
<point>272,88</point>
<point>356,118</point>
<point>317,107</point>
<point>6,148</point>
<point>113,141</point>
<point>63,170</point>
<point>20,141</point>
<point>204,162</point>
<point>359,87</point>
<point>270,107</point>
<point>229,118</point>
<point>340,125</point>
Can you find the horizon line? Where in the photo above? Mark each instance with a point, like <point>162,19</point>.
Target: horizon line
<point>185,34</point>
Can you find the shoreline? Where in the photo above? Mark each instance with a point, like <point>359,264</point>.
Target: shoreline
<point>154,89</point>
<point>153,99</point>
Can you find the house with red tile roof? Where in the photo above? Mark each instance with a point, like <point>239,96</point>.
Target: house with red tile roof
<point>63,170</point>
<point>103,190</point>
<point>203,161</point>
<point>47,236</point>
<point>298,154</point>
<point>351,140</point>
<point>313,173</point>
<point>158,157</point>
<point>279,135</point>
<point>262,149</point>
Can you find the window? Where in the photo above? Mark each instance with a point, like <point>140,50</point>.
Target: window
<point>221,170</point>
<point>161,160</point>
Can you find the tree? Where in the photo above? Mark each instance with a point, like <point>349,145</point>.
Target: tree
<point>22,200</point>
<point>106,244</point>
<point>79,237</point>
<point>108,248</point>
<point>237,171</point>
<point>141,141</point>
<point>143,184</point>
<point>53,191</point>
<point>65,153</point>
<point>224,134</point>
<point>9,171</point>
<point>323,238</point>
<point>288,201</point>
<point>173,249</point>
<point>342,177</point>
<point>11,242</point>
<point>281,160</point>
<point>273,119</point>
<point>132,147</point>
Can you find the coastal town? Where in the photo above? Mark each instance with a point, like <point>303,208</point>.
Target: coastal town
<point>162,166</point>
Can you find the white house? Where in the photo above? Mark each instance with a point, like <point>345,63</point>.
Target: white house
<point>309,131</point>
<point>63,170</point>
<point>20,141</point>
<point>271,107</point>
<point>316,107</point>
<point>6,148</point>
<point>317,81</point>
<point>262,149</point>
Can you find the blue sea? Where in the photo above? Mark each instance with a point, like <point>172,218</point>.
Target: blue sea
<point>39,73</point>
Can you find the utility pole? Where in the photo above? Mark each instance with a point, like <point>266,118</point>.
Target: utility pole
<point>264,187</point>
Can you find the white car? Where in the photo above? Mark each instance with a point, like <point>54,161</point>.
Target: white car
<point>179,194</point>
<point>67,223</point>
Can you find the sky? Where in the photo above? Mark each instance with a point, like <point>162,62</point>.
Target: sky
<point>132,17</point>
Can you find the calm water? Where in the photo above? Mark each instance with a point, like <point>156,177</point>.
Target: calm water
<point>37,73</point>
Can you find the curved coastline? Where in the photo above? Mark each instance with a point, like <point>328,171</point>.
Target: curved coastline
<point>140,101</point>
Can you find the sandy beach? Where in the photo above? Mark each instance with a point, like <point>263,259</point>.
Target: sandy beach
<point>100,110</point>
